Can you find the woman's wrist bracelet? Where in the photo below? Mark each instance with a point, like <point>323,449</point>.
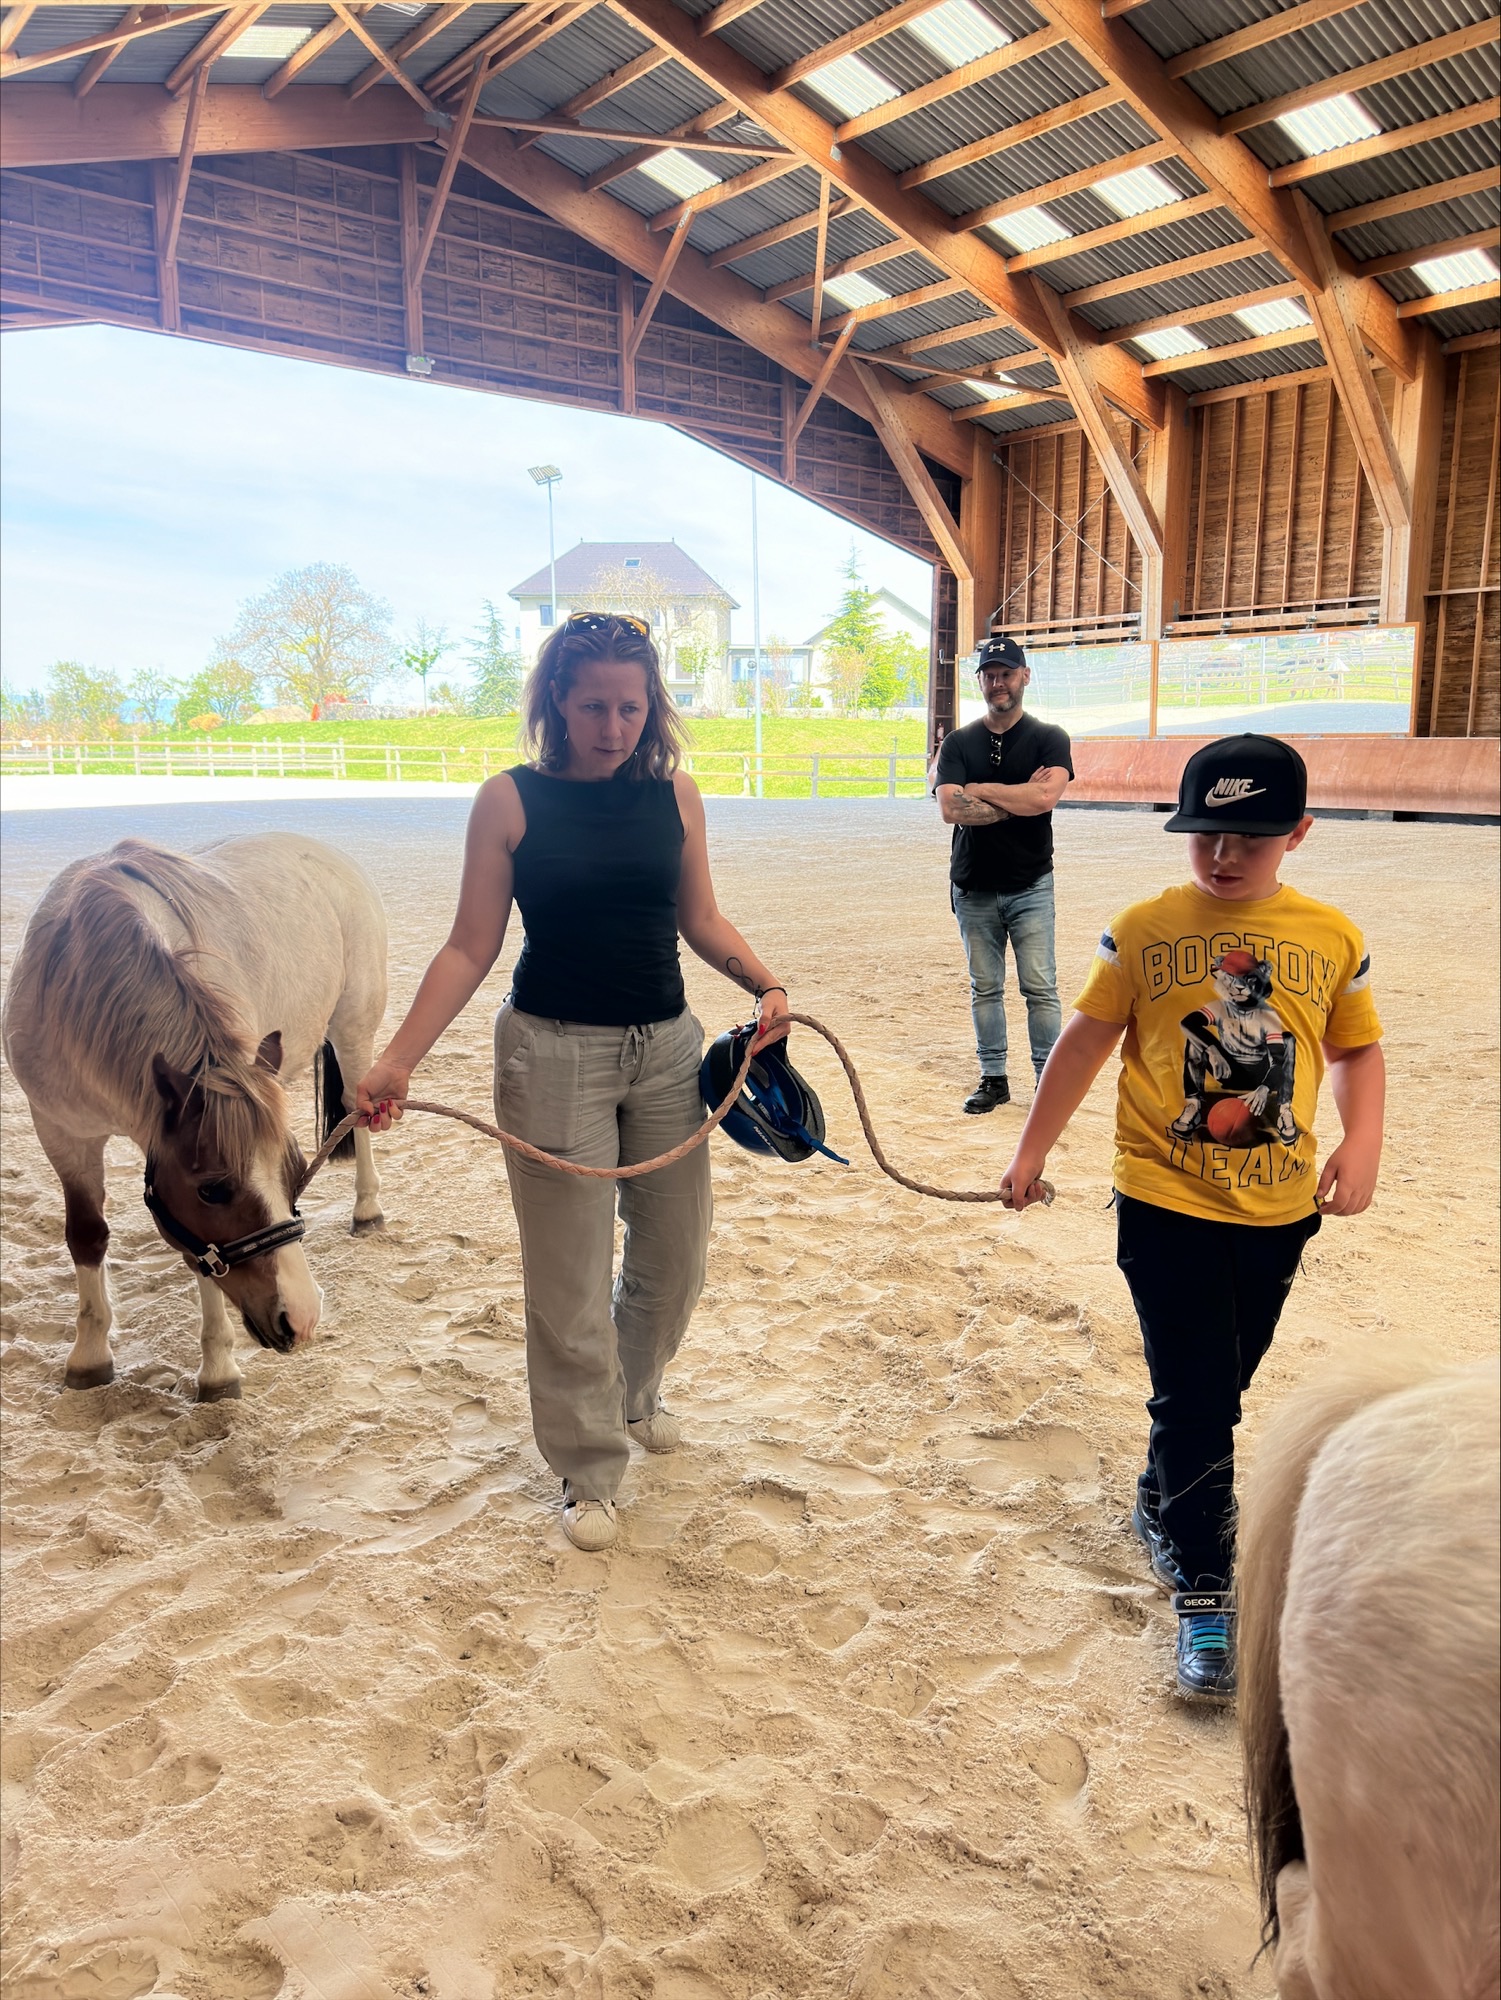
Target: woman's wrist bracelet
<point>762,991</point>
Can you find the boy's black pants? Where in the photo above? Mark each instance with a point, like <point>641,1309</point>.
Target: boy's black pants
<point>1208,1296</point>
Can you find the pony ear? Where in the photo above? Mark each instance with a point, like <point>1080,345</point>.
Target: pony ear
<point>173,1087</point>
<point>268,1055</point>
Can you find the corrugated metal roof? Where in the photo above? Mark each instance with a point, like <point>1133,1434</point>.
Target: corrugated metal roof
<point>1250,367</point>
<point>1424,225</point>
<point>1465,319</point>
<point>1405,168</point>
<point>1142,253</point>
<point>1172,26</point>
<point>1030,417</point>
<point>1200,288</point>
<point>1055,78</point>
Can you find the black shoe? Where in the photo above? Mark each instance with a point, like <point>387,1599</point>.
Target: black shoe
<point>1146,1525</point>
<point>1206,1645</point>
<point>987,1094</point>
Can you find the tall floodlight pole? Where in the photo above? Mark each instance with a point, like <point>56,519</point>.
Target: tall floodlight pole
<point>756,628</point>
<point>548,476</point>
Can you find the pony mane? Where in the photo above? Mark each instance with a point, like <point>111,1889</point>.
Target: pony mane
<point>118,994</point>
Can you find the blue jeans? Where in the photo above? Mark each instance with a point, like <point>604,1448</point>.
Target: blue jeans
<point>987,921</point>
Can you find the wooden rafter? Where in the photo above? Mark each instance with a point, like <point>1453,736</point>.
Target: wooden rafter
<point>150,21</point>
<point>1055,190</point>
<point>900,302</point>
<point>821,252</point>
<point>172,202</point>
<point>518,36</point>
<point>1256,35</point>
<point>674,248</point>
<point>1399,140</point>
<point>1163,274</point>
<point>652,142</point>
<point>945,86</point>
<point>857,38</point>
<point>96,65</point>
<point>691,130</point>
<point>722,15</point>
<point>888,417</point>
<point>208,48</point>
<point>779,232</point>
<point>784,117</point>
<point>410,215</point>
<point>1214,309</point>
<point>43,126</point>
<point>1463,295</point>
<point>1403,260</point>
<point>969,329</point>
<point>15,20</point>
<point>1457,189</point>
<point>426,30</point>
<point>863,260</point>
<point>1014,399</point>
<point>1233,350</point>
<point>819,383</point>
<point>755,177</point>
<point>607,87</point>
<point>351,19</point>
<point>1478,35</point>
<point>454,152</point>
<point>1011,135</point>
<point>1465,343</point>
<point>322,38</point>
<point>995,372</point>
<point>1115,232</point>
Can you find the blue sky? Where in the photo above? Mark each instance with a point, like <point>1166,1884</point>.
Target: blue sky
<point>150,485</point>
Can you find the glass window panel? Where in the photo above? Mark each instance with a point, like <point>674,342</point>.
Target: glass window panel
<point>1087,690</point>
<point>1313,683</point>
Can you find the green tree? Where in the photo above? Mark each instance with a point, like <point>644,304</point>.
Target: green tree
<point>422,652</point>
<point>226,687</point>
<point>496,668</point>
<point>148,689</point>
<point>852,643</point>
<point>316,634</point>
<point>22,711</point>
<point>449,699</point>
<point>897,672</point>
<point>79,699</point>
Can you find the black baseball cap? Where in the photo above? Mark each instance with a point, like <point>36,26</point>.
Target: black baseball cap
<point>1241,784</point>
<point>999,652</point>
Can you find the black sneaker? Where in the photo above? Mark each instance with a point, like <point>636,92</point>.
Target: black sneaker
<point>987,1094</point>
<point>1146,1525</point>
<point>1206,1645</point>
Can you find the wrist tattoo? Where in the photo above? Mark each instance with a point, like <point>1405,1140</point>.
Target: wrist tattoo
<point>735,970</point>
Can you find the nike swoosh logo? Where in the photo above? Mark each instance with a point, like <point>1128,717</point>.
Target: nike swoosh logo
<point>1234,798</point>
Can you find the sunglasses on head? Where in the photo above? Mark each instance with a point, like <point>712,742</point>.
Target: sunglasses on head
<point>598,621</point>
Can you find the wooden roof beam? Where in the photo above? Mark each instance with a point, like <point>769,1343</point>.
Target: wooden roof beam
<point>1437,302</point>
<point>1162,274</point>
<point>858,174</point>
<point>1213,309</point>
<point>863,260</point>
<point>992,64</point>
<point>154,22</point>
<point>416,38</point>
<point>698,127</point>
<point>970,329</point>
<point>994,372</point>
<point>820,382</point>
<point>1396,141</point>
<point>1457,189</point>
<point>899,302</point>
<point>1114,232</point>
<point>1466,343</point>
<point>890,418</point>
<point>1055,190</point>
<point>44,125</point>
<point>351,19</point>
<point>96,65</point>
<point>1233,350</point>
<point>15,20</point>
<point>169,211</point>
<point>323,38</point>
<point>1478,35</point>
<point>1266,386</point>
<point>1011,135</point>
<point>607,87</point>
<point>779,232</point>
<point>722,15</point>
<point>654,142</point>
<point>847,45</point>
<point>208,48</point>
<point>776,169</point>
<point>1403,260</point>
<point>1016,399</point>
<point>1256,36</point>
<point>510,40</point>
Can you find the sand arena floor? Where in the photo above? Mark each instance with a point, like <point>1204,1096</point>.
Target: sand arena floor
<point>308,1696</point>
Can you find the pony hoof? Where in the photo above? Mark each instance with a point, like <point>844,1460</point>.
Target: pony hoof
<point>89,1378</point>
<point>368,1225</point>
<point>219,1392</point>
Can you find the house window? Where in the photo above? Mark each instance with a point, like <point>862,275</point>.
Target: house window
<point>632,562</point>
<point>544,612</point>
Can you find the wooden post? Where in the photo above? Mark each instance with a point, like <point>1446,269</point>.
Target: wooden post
<point>625,310</point>
<point>1418,424</point>
<point>1478,650</point>
<point>1169,478</point>
<point>411,229</point>
<point>980,526</point>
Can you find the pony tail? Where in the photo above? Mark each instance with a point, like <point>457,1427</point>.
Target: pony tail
<point>328,1101</point>
<point>1294,1436</point>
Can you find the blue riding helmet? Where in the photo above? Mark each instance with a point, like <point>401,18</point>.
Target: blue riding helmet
<point>776,1111</point>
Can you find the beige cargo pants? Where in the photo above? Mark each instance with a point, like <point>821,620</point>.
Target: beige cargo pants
<point>595,1352</point>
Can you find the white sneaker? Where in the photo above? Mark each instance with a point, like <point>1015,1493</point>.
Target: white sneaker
<point>661,1431</point>
<point>589,1524</point>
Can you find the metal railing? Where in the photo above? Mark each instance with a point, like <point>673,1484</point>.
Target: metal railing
<point>744,773</point>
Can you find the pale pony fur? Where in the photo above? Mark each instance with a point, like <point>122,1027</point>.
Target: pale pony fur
<point>140,953</point>
<point>1370,1621</point>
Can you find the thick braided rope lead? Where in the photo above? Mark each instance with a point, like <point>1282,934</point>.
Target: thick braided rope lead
<point>715,1118</point>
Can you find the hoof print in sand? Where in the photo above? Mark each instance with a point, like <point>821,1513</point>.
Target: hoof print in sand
<point>851,1824</point>
<point>713,1847</point>
<point>901,1689</point>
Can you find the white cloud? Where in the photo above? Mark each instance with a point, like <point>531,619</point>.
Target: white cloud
<point>151,485</point>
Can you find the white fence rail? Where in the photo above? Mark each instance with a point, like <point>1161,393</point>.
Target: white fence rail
<point>815,774</point>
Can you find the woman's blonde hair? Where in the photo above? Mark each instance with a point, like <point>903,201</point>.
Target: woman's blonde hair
<point>578,643</point>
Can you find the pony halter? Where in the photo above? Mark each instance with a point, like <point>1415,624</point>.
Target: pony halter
<point>217,1260</point>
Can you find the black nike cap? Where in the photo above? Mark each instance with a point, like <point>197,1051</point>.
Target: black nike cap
<point>1241,784</point>
<point>999,651</point>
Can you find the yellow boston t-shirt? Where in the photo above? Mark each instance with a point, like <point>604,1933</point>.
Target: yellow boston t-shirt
<point>1226,1006</point>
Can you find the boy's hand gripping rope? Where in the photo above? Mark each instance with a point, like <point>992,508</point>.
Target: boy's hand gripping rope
<point>715,1117</point>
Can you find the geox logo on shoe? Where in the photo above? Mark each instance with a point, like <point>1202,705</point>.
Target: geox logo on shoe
<point>1229,791</point>
<point>1199,1601</point>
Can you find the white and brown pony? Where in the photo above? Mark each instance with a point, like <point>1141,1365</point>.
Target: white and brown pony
<point>1369,1583</point>
<point>165,997</point>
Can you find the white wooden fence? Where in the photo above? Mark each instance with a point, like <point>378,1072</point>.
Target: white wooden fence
<point>817,774</point>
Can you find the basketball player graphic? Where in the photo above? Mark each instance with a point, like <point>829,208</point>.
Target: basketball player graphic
<point>1239,1043</point>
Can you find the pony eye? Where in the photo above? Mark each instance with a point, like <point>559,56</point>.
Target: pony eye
<point>215,1193</point>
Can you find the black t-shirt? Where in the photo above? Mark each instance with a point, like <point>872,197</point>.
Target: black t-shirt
<point>1014,853</point>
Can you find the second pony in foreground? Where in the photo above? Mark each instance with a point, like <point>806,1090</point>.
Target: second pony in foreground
<point>164,997</point>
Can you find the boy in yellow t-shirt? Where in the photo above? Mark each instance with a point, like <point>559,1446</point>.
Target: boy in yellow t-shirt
<point>1233,993</point>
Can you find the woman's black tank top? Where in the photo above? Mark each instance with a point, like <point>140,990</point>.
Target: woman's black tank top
<point>596,877</point>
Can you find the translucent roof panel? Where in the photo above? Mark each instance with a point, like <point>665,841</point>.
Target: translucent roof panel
<point>1136,192</point>
<point>854,290</point>
<point>958,32</point>
<point>995,383</point>
<point>1449,274</point>
<point>1338,121</point>
<point>268,42</point>
<point>1274,317</point>
<point>678,173</point>
<point>851,85</point>
<point>1171,340</point>
<point>1028,229</point>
